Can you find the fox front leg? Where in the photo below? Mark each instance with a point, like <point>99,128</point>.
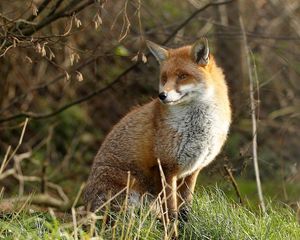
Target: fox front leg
<point>170,198</point>
<point>186,189</point>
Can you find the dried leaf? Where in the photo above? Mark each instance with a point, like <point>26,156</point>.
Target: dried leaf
<point>74,58</point>
<point>38,48</point>
<point>67,76</point>
<point>77,22</point>
<point>51,54</point>
<point>34,9</point>
<point>43,50</point>
<point>79,76</point>
<point>97,21</point>
<point>28,59</point>
<point>135,58</point>
<point>144,58</point>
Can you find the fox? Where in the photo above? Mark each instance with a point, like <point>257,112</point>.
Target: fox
<point>178,133</point>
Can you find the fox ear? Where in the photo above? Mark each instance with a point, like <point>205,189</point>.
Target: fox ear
<point>200,51</point>
<point>159,52</point>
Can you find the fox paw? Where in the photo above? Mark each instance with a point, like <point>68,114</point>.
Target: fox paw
<point>184,214</point>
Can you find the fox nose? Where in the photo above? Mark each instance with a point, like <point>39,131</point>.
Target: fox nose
<point>162,96</point>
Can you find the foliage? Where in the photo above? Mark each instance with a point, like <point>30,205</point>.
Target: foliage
<point>213,216</point>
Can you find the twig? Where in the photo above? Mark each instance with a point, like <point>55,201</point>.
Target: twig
<point>7,159</point>
<point>39,199</point>
<point>3,164</point>
<point>7,173</point>
<point>80,100</point>
<point>193,15</point>
<point>116,80</point>
<point>59,190</point>
<point>254,124</point>
<point>126,23</point>
<point>55,7</point>
<point>78,9</point>
<point>234,183</point>
<point>67,11</point>
<point>53,17</point>
<point>48,83</point>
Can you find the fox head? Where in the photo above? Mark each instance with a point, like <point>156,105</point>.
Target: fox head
<point>184,72</point>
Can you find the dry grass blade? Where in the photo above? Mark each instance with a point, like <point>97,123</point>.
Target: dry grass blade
<point>78,195</point>
<point>74,224</point>
<point>6,158</point>
<point>163,201</point>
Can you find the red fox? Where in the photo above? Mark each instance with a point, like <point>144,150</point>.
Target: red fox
<point>185,128</point>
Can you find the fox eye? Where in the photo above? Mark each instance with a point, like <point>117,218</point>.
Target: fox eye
<point>163,79</point>
<point>182,76</point>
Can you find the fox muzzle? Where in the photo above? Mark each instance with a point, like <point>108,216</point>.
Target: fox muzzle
<point>163,95</point>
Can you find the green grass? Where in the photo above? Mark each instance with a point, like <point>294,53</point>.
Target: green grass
<point>213,216</point>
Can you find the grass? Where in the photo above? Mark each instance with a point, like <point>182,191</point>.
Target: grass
<point>213,216</point>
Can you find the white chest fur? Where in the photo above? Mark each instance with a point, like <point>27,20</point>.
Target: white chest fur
<point>201,133</point>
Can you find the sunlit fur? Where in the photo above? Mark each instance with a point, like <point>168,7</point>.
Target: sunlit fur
<point>185,132</point>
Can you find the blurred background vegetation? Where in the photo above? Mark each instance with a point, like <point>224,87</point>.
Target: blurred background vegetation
<point>74,68</point>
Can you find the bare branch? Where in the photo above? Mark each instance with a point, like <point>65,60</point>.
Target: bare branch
<point>39,199</point>
<point>55,7</point>
<point>61,14</point>
<point>234,183</point>
<point>80,100</point>
<point>54,80</point>
<point>254,123</point>
<point>193,15</point>
<point>117,79</point>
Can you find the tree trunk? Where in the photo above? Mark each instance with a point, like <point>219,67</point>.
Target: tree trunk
<point>231,54</point>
